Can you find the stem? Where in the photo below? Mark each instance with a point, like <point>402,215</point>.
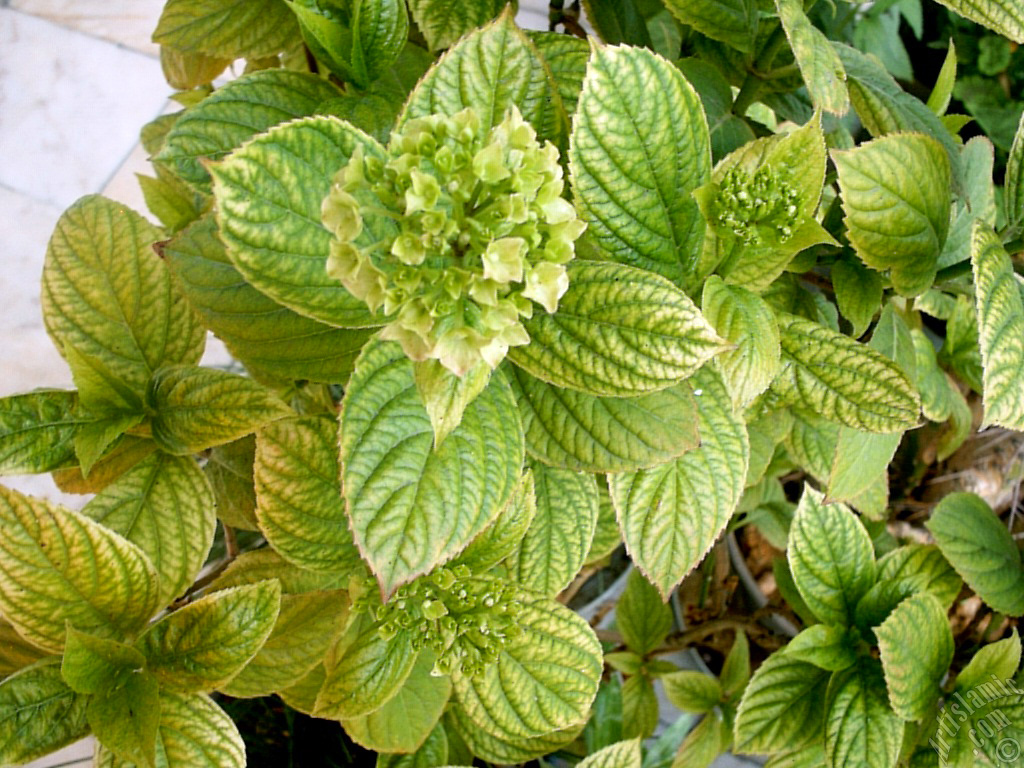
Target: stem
<point>230,542</point>
<point>751,86</point>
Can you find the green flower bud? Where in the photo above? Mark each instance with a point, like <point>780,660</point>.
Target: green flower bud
<point>448,225</point>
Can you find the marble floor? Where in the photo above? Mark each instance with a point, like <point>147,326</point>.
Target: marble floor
<point>78,78</point>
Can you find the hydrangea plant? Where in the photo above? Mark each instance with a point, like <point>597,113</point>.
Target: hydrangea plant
<point>503,302</point>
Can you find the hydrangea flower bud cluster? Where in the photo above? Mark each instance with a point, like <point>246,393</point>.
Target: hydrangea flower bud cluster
<point>746,203</point>
<point>465,620</point>
<point>480,233</point>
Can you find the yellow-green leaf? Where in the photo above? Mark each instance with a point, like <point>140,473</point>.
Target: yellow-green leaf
<point>203,645</point>
<point>832,375</point>
<point>227,29</point>
<point>639,147</point>
<point>197,408</point>
<point>412,507</point>
<point>916,646</point>
<point>618,331</point>
<point>110,305</point>
<point>282,176</point>
<point>37,432</point>
<point>442,22</point>
<point>502,537</point>
<point>671,515</point>
<point>271,340</point>
<point>896,196</point>
<point>1000,329</point>
<point>623,754</point>
<point>545,678</point>
<point>554,547</point>
<point>39,713</point>
<point>406,720</point>
<point>58,566</point>
<point>163,505</point>
<point>820,66</point>
<point>305,628</point>
<point>860,728</point>
<point>298,490</point>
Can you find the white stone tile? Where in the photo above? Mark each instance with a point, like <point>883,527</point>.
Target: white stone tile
<point>124,187</point>
<point>77,755</point>
<point>127,22</point>
<point>27,356</point>
<point>70,107</point>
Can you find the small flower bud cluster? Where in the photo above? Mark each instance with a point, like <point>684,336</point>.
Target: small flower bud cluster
<point>465,620</point>
<point>747,203</point>
<point>480,232</point>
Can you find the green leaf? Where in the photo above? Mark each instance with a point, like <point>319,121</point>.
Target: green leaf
<point>502,537</point>
<point>491,69</point>
<point>619,22</point>
<point>555,545</point>
<point>58,566</point>
<point>832,375</point>
<point>229,471</point>
<point>37,432</point>
<point>607,536</point>
<point>39,713</point>
<point>881,600</point>
<point>861,458</point>
<point>1000,659</point>
<point>125,720</point>
<point>639,708</point>
<point>831,556</point>
<point>624,754</point>
<point>504,750</point>
<point>819,64</point>
<point>197,408</point>
<point>406,720</point>
<point>110,306</point>
<point>938,100</point>
<point>745,320</point>
<point>445,395</point>
<point>545,679</point>
<point>1000,329</point>
<point>95,665</point>
<point>978,155</point>
<point>206,643</point>
<point>282,176</point>
<point>736,669</point>
<point>825,646</point>
<point>165,506</point>
<point>572,430</point>
<point>566,57</point>
<point>925,565</point>
<point>858,293</point>
<point>960,350</point>
<point>704,743</point>
<point>442,22</point>
<point>981,549</point>
<point>782,706</point>
<point>170,199</point>
<point>860,729</point>
<point>897,221</point>
<point>618,331</point>
<point>364,671</point>
<point>262,564</point>
<point>305,628</point>
<point>272,341</point>
<point>634,192</point>
<point>433,752</point>
<point>1002,16</point>
<point>194,733</point>
<point>298,491</point>
<point>412,507</point>
<point>671,515</point>
<point>886,108</point>
<point>1013,189</point>
<point>641,616</point>
<point>227,29</point>
<point>692,691</point>
<point>381,30</point>
<point>733,22</point>
<point>16,653</point>
<point>916,646</point>
<point>236,112</point>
